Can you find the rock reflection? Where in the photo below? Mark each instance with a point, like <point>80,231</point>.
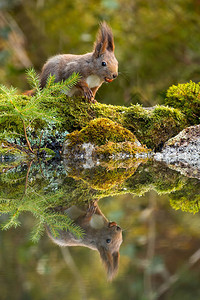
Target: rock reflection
<point>158,242</point>
<point>98,234</point>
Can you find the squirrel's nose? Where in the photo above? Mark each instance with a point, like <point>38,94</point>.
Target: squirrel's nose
<point>115,75</point>
<point>118,228</point>
<point>114,224</point>
<point>111,224</point>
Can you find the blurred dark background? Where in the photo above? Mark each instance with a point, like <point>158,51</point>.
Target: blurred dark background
<point>157,42</point>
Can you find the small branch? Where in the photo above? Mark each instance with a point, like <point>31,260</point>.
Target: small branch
<point>26,137</point>
<point>40,140</point>
<point>28,171</point>
<point>41,168</point>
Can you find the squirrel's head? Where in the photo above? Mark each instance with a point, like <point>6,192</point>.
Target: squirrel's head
<point>99,234</point>
<point>108,247</point>
<point>104,58</point>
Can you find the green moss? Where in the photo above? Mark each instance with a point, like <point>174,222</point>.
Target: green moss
<point>106,138</point>
<point>155,126</point>
<point>48,152</point>
<point>112,112</point>
<point>185,97</point>
<point>188,198</point>
<point>104,178</point>
<point>113,149</point>
<point>74,113</point>
<point>16,152</point>
<point>51,188</point>
<point>151,126</point>
<point>155,176</point>
<point>100,132</point>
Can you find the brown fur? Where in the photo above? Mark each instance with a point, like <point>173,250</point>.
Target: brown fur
<point>95,237</point>
<point>89,66</point>
<point>29,93</point>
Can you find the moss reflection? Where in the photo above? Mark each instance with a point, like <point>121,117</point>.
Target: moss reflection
<point>40,188</point>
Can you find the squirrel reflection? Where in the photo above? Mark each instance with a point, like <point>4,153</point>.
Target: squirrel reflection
<point>100,235</point>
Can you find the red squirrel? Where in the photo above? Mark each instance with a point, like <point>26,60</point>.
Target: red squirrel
<point>99,234</point>
<point>95,67</point>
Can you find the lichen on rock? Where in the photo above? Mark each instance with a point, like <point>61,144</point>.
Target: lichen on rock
<point>182,152</point>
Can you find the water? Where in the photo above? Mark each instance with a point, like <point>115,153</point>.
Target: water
<point>156,207</point>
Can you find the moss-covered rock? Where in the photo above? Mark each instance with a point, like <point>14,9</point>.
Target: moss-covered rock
<point>102,138</point>
<point>185,97</point>
<point>19,184</point>
<point>188,198</point>
<point>119,150</point>
<point>105,175</point>
<point>152,126</point>
<point>154,176</point>
<point>100,131</point>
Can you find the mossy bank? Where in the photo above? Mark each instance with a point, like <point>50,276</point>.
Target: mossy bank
<point>26,118</point>
<point>151,126</point>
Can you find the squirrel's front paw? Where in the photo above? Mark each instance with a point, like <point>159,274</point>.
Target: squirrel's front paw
<point>88,94</point>
<point>92,208</point>
<point>93,101</point>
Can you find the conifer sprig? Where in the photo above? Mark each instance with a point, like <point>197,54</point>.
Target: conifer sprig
<point>62,86</point>
<point>42,209</point>
<point>18,113</point>
<point>33,79</point>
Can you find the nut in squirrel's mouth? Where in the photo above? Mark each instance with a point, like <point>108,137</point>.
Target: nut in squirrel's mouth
<point>108,80</point>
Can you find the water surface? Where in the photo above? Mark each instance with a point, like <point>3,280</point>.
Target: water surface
<point>156,207</point>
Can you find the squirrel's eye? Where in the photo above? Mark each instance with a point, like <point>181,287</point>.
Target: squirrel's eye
<point>104,63</point>
<point>108,241</point>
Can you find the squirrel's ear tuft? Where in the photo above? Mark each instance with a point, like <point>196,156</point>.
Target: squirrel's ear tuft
<point>104,40</point>
<point>101,42</point>
<point>110,39</point>
<point>115,256</point>
<point>110,261</point>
